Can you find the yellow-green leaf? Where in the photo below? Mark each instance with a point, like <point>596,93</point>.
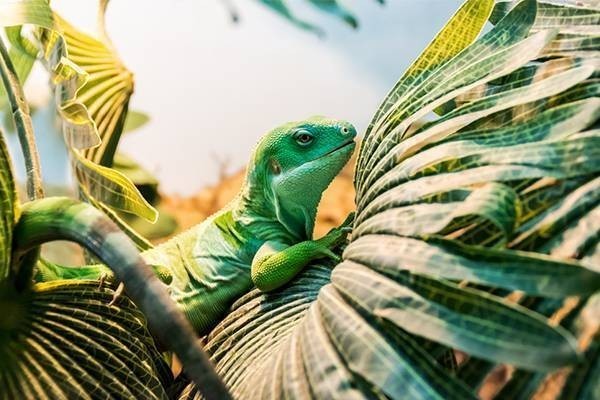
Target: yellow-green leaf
<point>8,208</point>
<point>135,120</point>
<point>111,186</point>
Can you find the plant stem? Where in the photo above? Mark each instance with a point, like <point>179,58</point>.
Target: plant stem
<point>22,119</point>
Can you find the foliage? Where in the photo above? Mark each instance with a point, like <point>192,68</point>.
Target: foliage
<point>332,7</point>
<point>69,343</point>
<point>78,338</point>
<point>21,118</point>
<point>93,95</point>
<point>52,334</point>
<point>92,90</point>
<point>497,193</point>
<point>477,177</point>
<point>9,210</point>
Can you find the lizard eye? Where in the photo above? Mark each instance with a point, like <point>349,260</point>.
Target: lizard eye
<point>303,137</point>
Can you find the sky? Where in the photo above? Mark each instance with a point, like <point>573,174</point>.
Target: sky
<point>212,88</point>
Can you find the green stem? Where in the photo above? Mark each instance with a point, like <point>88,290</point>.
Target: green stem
<point>20,112</point>
<point>60,218</point>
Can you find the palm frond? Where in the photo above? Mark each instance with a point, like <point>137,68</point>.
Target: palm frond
<point>496,193</point>
<point>9,209</point>
<point>92,91</point>
<point>66,341</point>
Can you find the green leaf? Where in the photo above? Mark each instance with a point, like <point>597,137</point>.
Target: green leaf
<point>147,184</point>
<point>471,112</point>
<point>552,232</point>
<point>101,180</point>
<point>396,369</point>
<point>283,10</point>
<point>528,272</point>
<point>9,210</point>
<point>511,161</point>
<point>20,12</point>
<point>141,243</point>
<point>564,15</point>
<point>458,33</point>
<point>63,340</point>
<point>494,54</point>
<point>586,89</point>
<point>552,123</point>
<point>93,89</point>
<point>273,344</point>
<point>245,346</point>
<point>560,159</point>
<point>135,120</point>
<point>79,129</point>
<point>326,372</point>
<point>573,45</point>
<point>496,203</point>
<point>138,175</point>
<point>334,8</point>
<point>462,318</point>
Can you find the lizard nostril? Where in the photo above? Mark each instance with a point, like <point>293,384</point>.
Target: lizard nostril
<point>345,130</point>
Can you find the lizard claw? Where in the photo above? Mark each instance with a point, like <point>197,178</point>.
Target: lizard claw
<point>102,280</point>
<point>118,293</point>
<point>327,252</point>
<point>346,226</point>
<point>338,235</point>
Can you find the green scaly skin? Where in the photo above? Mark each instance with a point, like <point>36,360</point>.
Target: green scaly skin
<point>263,238</point>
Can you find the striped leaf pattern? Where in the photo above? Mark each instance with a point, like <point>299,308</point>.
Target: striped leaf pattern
<point>67,342</point>
<point>8,209</point>
<point>497,193</point>
<point>92,90</point>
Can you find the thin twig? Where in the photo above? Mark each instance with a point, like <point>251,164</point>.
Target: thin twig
<point>20,112</point>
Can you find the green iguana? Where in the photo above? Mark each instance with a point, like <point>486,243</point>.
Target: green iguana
<point>262,238</point>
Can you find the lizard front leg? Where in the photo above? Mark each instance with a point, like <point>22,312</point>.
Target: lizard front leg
<point>275,263</point>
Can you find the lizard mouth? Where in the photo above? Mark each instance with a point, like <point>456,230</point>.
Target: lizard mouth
<point>335,150</point>
<point>340,147</point>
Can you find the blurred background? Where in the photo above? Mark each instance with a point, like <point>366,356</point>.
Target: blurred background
<point>218,85</point>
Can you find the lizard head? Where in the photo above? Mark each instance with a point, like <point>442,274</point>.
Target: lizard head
<point>296,162</point>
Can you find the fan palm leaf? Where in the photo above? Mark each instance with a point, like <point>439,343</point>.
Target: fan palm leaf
<point>92,91</point>
<point>63,339</point>
<point>497,193</point>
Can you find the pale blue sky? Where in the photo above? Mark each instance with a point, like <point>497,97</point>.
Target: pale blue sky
<point>213,88</point>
